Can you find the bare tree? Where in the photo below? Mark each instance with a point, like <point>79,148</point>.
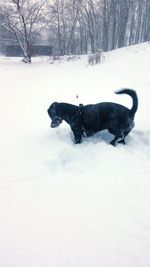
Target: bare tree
<point>74,16</point>
<point>145,31</point>
<point>24,19</point>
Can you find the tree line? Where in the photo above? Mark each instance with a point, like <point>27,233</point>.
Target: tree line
<point>75,26</point>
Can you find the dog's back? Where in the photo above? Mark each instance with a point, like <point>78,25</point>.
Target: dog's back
<point>100,116</point>
<point>112,116</point>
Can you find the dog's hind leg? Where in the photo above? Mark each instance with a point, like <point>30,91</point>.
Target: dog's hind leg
<point>123,140</point>
<point>118,139</point>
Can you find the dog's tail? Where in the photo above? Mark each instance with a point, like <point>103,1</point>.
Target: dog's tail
<point>133,94</point>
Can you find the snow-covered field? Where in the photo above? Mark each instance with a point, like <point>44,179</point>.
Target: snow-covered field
<point>67,205</point>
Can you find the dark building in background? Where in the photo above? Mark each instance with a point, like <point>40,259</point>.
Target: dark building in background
<point>36,50</point>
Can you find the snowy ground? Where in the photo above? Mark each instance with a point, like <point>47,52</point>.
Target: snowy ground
<point>66,205</point>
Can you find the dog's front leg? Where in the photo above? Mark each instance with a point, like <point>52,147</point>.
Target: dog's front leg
<point>77,134</point>
<point>77,137</point>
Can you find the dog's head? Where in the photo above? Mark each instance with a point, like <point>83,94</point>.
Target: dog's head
<point>53,114</point>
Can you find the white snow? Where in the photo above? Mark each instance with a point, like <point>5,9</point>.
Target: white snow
<point>67,205</point>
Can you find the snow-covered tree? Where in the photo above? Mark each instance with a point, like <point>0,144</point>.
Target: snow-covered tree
<point>24,19</point>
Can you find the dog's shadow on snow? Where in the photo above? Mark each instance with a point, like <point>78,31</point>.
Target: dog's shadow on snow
<point>103,136</point>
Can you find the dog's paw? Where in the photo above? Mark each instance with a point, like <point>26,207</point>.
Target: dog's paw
<point>122,142</point>
<point>78,142</point>
<point>113,143</point>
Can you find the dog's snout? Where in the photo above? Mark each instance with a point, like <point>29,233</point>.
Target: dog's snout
<point>56,122</point>
<point>53,125</point>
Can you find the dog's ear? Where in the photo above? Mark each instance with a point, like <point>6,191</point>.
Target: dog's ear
<point>52,109</point>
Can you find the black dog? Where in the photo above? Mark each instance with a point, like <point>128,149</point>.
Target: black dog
<point>90,119</point>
